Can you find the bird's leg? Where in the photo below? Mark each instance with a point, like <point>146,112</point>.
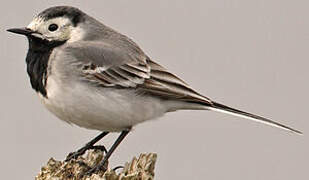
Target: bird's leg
<point>109,153</point>
<point>100,147</point>
<point>89,145</point>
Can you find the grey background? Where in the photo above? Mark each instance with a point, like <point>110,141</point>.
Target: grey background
<point>252,55</point>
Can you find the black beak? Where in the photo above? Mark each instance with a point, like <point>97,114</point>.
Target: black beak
<point>23,31</point>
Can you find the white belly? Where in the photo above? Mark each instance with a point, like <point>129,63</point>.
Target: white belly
<point>104,109</point>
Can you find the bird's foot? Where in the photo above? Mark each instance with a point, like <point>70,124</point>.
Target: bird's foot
<point>76,154</point>
<point>80,152</point>
<point>102,166</point>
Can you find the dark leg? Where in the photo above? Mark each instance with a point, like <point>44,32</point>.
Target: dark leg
<point>89,145</point>
<point>109,153</point>
<point>99,147</point>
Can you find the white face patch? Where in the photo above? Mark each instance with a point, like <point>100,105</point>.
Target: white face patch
<point>65,32</point>
<point>35,23</point>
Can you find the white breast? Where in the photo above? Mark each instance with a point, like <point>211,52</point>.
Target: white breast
<point>105,109</point>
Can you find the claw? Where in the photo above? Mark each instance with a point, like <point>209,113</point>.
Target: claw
<point>118,167</point>
<point>95,170</point>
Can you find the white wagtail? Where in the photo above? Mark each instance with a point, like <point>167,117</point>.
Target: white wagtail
<point>90,75</point>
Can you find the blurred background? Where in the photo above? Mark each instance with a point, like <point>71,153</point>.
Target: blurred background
<point>252,55</point>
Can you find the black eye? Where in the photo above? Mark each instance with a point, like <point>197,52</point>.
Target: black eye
<point>53,27</point>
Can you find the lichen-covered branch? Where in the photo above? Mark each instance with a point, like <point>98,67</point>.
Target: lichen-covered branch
<point>141,168</point>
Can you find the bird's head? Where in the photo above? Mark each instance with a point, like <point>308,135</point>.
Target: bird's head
<point>55,25</point>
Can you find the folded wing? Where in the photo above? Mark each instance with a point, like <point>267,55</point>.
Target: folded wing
<point>109,66</point>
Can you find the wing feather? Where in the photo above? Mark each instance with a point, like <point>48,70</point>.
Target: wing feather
<point>110,66</point>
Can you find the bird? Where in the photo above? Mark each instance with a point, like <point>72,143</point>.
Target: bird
<point>88,74</point>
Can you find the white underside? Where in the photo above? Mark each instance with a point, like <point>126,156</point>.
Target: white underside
<point>111,109</point>
<point>104,109</point>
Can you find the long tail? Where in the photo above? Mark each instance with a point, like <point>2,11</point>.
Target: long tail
<point>228,110</point>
